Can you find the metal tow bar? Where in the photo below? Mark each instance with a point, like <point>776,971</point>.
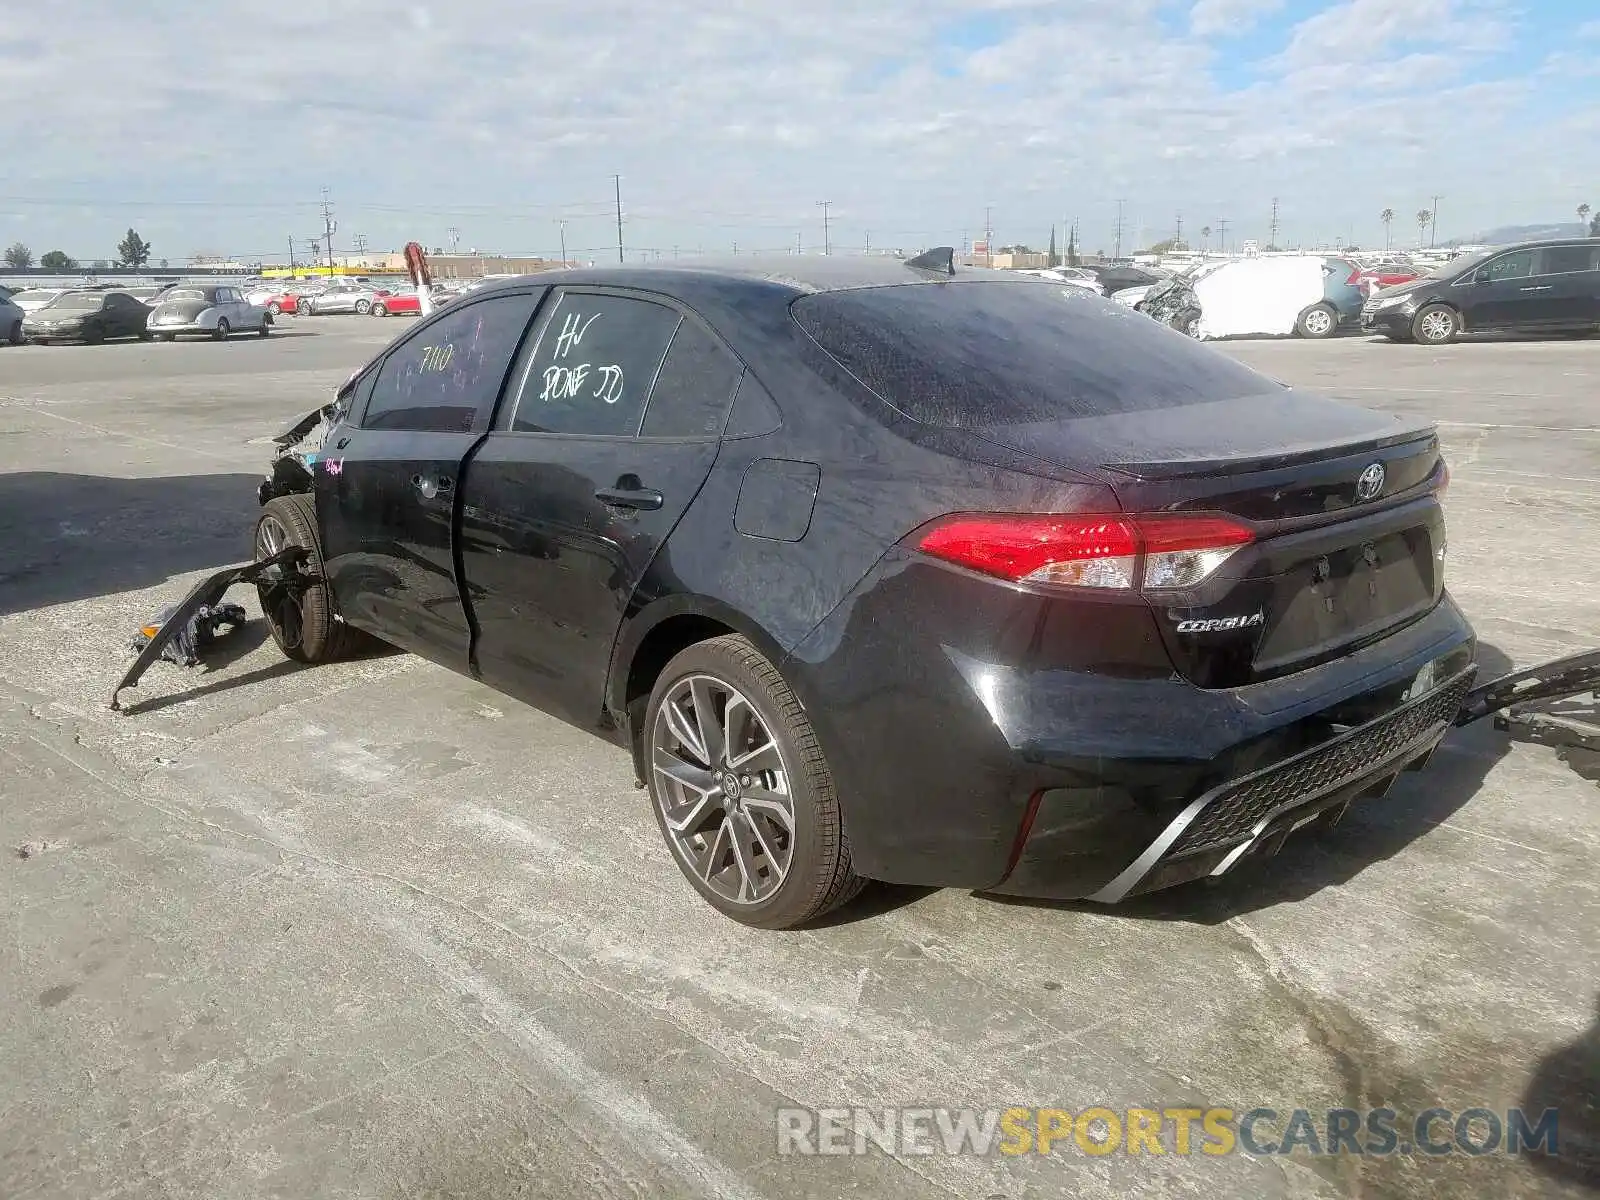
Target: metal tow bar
<point>282,567</point>
<point>1558,679</point>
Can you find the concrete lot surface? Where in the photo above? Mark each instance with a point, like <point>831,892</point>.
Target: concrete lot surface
<point>371,930</point>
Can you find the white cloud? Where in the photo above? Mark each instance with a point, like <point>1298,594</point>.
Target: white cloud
<point>1209,17</point>
<point>729,122</point>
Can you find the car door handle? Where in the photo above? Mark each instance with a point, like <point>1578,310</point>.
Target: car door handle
<point>1545,288</point>
<point>635,497</point>
<point>431,487</point>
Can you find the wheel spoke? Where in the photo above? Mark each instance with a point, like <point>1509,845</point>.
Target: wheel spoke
<point>684,730</point>
<point>764,757</point>
<point>709,864</point>
<point>741,856</point>
<point>776,867</point>
<point>691,776</point>
<point>774,805</point>
<point>712,736</point>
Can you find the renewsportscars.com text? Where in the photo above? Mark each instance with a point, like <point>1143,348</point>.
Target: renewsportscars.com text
<point>1101,1130</point>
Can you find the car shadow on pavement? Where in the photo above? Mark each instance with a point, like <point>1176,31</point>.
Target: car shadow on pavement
<point>66,537</point>
<point>1371,831</point>
<point>1568,1080</point>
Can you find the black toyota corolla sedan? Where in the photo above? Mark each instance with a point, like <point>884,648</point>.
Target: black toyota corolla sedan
<point>885,570</point>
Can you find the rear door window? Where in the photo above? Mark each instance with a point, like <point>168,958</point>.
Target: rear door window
<point>445,377</point>
<point>962,355</point>
<point>594,366</point>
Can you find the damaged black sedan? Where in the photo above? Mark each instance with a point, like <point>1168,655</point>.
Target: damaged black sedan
<point>885,571</point>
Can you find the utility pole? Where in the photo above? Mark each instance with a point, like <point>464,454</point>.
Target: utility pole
<point>361,247</point>
<point>1178,237</point>
<point>1433,225</point>
<point>827,247</point>
<point>1272,239</point>
<point>617,180</point>
<point>869,241</point>
<point>562,225</point>
<point>291,252</point>
<point>797,235</point>
<point>328,225</point>
<point>988,235</point>
<point>1222,233</point>
<point>1116,252</point>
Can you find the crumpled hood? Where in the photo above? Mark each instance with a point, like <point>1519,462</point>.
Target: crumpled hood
<point>187,309</point>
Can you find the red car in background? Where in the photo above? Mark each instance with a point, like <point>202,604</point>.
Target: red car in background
<point>399,303</point>
<point>1385,275</point>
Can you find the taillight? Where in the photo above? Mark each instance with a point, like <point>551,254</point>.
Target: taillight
<point>1156,551</point>
<point>1355,278</point>
<point>1444,475</point>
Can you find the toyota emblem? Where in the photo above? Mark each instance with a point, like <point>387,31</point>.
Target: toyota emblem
<point>1370,482</point>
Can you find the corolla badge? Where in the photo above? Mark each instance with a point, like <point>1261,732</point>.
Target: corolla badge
<point>1370,482</point>
<point>1221,624</point>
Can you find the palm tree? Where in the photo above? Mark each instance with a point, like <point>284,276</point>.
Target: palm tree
<point>1205,240</point>
<point>1423,217</point>
<point>1387,217</point>
<point>1583,214</point>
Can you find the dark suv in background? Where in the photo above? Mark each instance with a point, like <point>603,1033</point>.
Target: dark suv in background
<point>1538,287</point>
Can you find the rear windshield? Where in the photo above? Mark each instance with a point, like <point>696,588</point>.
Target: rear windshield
<point>962,355</point>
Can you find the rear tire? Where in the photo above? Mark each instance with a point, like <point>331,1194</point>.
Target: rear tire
<point>223,330</point>
<point>775,840</point>
<point>14,334</point>
<point>275,308</point>
<point>266,325</point>
<point>300,618</point>
<point>1436,325</point>
<point>1317,322</point>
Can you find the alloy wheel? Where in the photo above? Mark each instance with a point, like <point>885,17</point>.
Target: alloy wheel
<point>279,601</point>
<point>723,790</point>
<point>1318,322</point>
<point>1435,326</point>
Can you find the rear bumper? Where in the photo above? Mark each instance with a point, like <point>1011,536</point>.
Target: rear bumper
<point>1024,752</point>
<point>1252,815</point>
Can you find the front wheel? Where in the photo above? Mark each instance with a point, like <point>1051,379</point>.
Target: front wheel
<point>223,330</point>
<point>362,308</point>
<point>1436,325</point>
<point>380,310</point>
<point>1318,321</point>
<point>275,308</point>
<point>299,611</point>
<point>741,790</point>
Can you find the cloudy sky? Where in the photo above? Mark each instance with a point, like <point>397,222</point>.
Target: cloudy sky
<point>214,127</point>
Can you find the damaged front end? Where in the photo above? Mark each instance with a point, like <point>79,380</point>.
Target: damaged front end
<point>298,445</point>
<point>1173,302</point>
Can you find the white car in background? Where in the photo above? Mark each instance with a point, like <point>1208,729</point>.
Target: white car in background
<point>31,298</point>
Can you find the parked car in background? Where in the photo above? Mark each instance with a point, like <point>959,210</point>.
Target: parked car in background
<point>1159,609</point>
<point>1115,278</point>
<point>1270,296</point>
<point>1387,274</point>
<point>31,298</point>
<point>213,310</point>
<point>87,316</point>
<point>341,298</point>
<point>400,302</point>
<point>11,317</point>
<point>1538,287</point>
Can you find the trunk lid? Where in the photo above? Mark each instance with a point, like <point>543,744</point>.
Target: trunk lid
<point>1336,563</point>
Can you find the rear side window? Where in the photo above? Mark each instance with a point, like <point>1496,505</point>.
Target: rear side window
<point>1569,260</point>
<point>694,388</point>
<point>447,374</point>
<point>960,355</point>
<point>597,358</point>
